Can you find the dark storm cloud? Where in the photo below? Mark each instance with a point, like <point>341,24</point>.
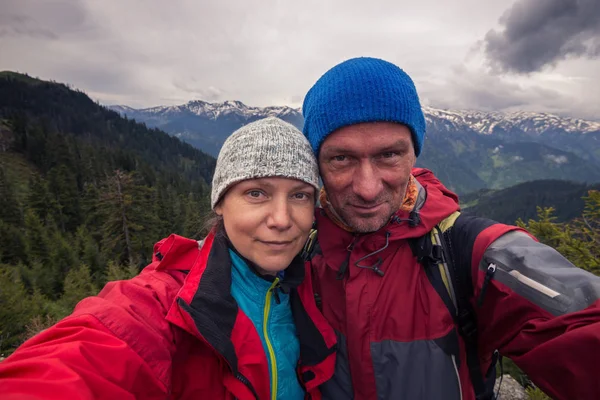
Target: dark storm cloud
<point>540,33</point>
<point>474,89</point>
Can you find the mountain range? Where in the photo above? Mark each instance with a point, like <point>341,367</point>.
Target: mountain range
<point>469,150</point>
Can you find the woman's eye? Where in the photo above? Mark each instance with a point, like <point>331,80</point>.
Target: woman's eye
<point>254,193</point>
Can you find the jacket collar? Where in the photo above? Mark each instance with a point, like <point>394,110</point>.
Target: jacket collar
<point>205,308</point>
<point>290,279</point>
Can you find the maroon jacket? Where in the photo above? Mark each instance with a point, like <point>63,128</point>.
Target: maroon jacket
<point>173,332</point>
<point>397,338</point>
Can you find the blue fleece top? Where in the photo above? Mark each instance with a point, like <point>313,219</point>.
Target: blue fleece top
<point>250,291</point>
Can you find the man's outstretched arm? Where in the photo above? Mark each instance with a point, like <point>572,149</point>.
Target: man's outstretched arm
<point>538,309</point>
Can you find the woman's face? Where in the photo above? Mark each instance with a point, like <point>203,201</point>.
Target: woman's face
<point>268,220</point>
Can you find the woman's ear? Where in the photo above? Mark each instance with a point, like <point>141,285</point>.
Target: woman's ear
<point>219,209</point>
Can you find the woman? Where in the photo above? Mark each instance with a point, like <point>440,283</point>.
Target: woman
<point>232,318</point>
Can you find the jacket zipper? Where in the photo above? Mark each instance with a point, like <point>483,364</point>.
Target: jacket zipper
<point>246,382</point>
<point>272,358</point>
<point>489,274</point>
<point>344,267</point>
<point>527,281</point>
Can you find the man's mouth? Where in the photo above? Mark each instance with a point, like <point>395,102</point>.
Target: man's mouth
<point>366,208</point>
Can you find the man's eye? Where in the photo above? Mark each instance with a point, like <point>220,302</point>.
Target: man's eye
<point>339,158</point>
<point>389,154</point>
<point>301,196</point>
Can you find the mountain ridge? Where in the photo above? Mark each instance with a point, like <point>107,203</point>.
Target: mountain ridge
<point>482,122</point>
<point>469,150</point>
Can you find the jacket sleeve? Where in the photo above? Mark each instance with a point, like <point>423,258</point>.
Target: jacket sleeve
<point>537,309</point>
<point>116,345</point>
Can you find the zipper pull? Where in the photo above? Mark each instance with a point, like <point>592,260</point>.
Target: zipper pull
<point>276,294</point>
<point>344,267</point>
<point>275,289</point>
<point>491,270</point>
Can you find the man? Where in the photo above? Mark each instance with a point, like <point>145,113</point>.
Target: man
<point>404,332</point>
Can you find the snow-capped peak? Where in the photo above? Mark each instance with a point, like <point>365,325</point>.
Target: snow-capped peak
<point>213,110</point>
<point>490,122</point>
<point>481,122</point>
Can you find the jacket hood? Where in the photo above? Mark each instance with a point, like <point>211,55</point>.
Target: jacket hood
<point>434,203</point>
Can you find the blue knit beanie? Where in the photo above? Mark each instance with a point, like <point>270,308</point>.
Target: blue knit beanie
<point>362,90</point>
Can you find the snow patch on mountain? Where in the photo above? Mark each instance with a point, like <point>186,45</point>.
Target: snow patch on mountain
<point>211,110</point>
<point>493,122</point>
<point>486,123</point>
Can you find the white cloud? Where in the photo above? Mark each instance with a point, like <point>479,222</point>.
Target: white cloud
<point>557,159</point>
<point>150,52</point>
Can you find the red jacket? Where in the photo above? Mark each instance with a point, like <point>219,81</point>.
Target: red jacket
<point>173,332</point>
<point>396,336</point>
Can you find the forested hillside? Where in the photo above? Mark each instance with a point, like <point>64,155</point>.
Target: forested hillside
<point>521,201</point>
<point>84,195</point>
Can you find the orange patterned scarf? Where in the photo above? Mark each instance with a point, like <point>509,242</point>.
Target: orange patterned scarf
<point>410,199</point>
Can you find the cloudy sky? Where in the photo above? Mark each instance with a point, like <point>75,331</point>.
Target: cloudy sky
<point>539,55</point>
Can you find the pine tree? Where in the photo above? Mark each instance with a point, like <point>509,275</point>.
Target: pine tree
<point>10,209</point>
<point>116,272</point>
<point>587,230</point>
<point>578,240</point>
<point>63,186</point>
<point>13,245</point>
<point>129,227</point>
<point>39,199</point>
<point>63,260</point>
<point>77,285</point>
<point>88,252</point>
<point>197,211</point>
<point>14,313</point>
<point>37,238</point>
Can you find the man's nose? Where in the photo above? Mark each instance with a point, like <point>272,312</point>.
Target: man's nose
<point>366,183</point>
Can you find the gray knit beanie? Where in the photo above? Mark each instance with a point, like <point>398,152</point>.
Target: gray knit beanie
<point>268,147</point>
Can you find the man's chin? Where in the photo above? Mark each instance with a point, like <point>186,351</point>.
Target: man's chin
<point>367,225</point>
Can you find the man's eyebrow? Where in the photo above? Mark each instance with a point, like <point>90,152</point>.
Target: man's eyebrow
<point>336,150</point>
<point>400,144</point>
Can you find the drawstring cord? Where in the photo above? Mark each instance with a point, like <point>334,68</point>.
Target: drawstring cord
<point>375,267</point>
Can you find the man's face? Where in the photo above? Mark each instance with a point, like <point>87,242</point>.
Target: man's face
<point>365,169</point>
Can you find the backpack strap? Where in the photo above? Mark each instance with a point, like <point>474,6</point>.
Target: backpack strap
<point>434,251</point>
